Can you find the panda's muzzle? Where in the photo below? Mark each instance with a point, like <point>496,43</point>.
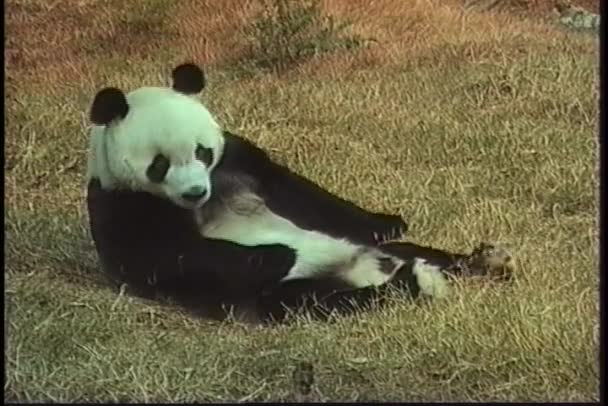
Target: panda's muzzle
<point>195,194</point>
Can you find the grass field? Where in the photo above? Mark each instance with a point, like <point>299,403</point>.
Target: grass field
<point>474,127</point>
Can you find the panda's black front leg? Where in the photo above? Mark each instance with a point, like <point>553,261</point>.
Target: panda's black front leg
<point>304,202</point>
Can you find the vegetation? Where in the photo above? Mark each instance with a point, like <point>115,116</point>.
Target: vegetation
<point>476,126</point>
<point>287,32</point>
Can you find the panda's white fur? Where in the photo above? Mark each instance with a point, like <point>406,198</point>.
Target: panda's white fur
<point>160,120</point>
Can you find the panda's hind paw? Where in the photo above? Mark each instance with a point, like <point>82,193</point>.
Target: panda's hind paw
<point>491,261</point>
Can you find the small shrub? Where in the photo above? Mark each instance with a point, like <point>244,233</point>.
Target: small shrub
<point>287,32</point>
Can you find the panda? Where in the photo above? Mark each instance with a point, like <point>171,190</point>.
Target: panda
<point>183,210</point>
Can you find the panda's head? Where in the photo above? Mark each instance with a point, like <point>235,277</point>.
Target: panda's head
<point>156,139</point>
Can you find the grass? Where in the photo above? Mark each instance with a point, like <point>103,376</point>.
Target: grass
<point>473,127</point>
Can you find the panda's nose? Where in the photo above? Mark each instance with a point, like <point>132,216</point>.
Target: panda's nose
<point>194,194</point>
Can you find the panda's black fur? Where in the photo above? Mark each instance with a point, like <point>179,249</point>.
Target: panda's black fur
<point>156,248</point>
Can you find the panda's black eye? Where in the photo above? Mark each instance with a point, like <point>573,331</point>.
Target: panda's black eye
<point>204,155</point>
<point>158,168</point>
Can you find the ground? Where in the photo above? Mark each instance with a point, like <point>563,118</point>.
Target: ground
<point>473,126</point>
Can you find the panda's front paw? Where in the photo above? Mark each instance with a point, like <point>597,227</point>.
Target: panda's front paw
<point>394,228</point>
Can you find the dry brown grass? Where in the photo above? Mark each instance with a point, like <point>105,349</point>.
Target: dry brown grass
<point>473,127</point>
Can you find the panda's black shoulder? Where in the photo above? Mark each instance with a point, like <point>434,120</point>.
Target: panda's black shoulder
<point>235,145</point>
<point>242,155</point>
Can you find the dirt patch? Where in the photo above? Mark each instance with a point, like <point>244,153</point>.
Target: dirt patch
<point>34,28</point>
<point>535,8</point>
<point>79,33</point>
<point>82,33</point>
<point>212,35</point>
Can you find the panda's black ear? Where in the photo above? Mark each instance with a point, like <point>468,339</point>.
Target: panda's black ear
<point>188,78</point>
<point>109,104</point>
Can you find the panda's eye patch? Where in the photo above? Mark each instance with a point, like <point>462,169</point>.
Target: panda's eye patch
<point>158,168</point>
<point>204,155</point>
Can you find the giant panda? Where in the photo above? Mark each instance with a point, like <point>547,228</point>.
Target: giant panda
<point>181,209</point>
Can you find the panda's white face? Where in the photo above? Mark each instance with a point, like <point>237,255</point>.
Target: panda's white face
<point>167,144</point>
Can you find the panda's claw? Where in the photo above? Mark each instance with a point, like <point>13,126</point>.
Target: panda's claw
<point>391,227</point>
<point>392,234</point>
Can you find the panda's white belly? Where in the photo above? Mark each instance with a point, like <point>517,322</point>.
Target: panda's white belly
<point>317,253</point>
